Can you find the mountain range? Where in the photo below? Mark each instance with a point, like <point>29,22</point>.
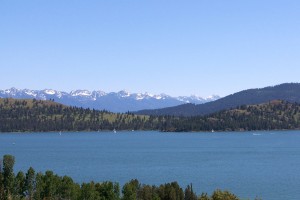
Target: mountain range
<point>121,101</point>
<point>289,92</point>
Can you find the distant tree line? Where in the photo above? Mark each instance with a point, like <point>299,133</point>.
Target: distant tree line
<point>44,186</point>
<point>41,116</point>
<point>274,115</point>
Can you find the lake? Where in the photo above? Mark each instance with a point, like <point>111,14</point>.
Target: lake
<point>249,164</point>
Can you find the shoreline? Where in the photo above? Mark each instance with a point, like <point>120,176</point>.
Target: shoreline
<point>122,131</point>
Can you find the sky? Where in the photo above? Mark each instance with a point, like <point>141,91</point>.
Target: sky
<point>176,47</point>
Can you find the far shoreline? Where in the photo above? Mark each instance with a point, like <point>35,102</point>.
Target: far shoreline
<point>157,131</point>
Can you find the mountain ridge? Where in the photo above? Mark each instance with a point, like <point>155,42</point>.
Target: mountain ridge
<point>121,101</point>
<point>287,91</point>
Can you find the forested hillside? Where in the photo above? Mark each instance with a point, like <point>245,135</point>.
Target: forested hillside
<point>274,115</point>
<point>38,115</point>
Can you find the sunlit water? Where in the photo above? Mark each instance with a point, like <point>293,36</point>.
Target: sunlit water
<point>249,164</point>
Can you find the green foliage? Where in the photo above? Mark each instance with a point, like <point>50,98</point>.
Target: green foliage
<point>1,183</point>
<point>223,195</point>
<point>39,187</point>
<point>30,182</point>
<point>147,192</point>
<point>108,190</point>
<point>51,184</point>
<point>8,175</point>
<point>67,188</point>
<point>171,191</point>
<point>189,193</point>
<point>19,185</point>
<point>130,190</point>
<point>88,192</point>
<point>204,196</point>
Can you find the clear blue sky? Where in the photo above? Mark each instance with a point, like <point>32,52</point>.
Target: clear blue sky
<point>200,47</point>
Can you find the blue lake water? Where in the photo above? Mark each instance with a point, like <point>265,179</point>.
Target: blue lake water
<point>250,164</point>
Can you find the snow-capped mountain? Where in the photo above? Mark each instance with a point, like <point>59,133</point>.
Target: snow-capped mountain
<point>121,101</point>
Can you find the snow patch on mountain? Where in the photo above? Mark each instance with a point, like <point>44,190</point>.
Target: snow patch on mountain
<point>124,94</point>
<point>213,97</point>
<point>12,91</point>
<point>158,97</point>
<point>51,92</point>
<point>80,93</point>
<point>30,93</point>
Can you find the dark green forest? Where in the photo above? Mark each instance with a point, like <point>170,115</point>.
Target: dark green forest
<point>274,115</point>
<point>49,186</point>
<point>41,116</point>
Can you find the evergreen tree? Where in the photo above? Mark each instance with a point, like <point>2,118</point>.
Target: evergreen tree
<point>8,175</point>
<point>108,190</point>
<point>19,185</point>
<point>88,192</point>
<point>204,196</point>
<point>1,182</point>
<point>30,183</point>
<point>67,188</point>
<point>39,189</point>
<point>189,193</point>
<point>223,195</point>
<point>130,190</point>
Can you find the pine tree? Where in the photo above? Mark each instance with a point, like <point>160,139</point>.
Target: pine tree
<point>8,175</point>
<point>1,182</point>
<point>19,185</point>
<point>30,182</point>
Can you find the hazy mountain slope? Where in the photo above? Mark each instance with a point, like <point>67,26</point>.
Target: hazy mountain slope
<point>288,92</point>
